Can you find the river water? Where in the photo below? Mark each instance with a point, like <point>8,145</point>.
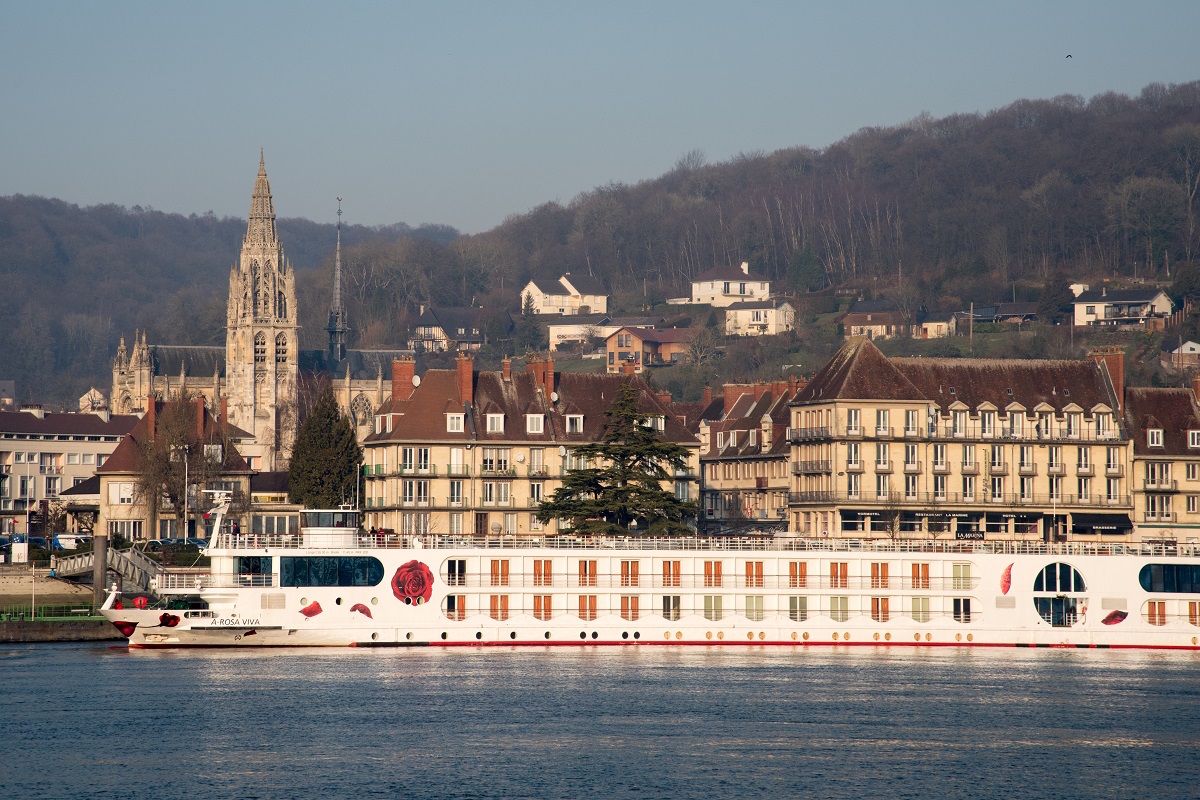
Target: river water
<point>97,721</point>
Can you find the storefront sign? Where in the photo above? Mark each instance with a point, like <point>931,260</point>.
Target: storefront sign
<point>969,536</point>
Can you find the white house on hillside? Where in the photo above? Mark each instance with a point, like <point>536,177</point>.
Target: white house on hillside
<point>1146,308</point>
<point>572,295</point>
<point>760,318</point>
<point>724,286</point>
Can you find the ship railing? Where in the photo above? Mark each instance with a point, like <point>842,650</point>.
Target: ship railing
<point>169,581</point>
<point>534,582</point>
<point>779,543</point>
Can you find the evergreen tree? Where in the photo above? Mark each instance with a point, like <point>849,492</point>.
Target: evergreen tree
<point>530,335</point>
<point>623,480</point>
<point>1056,301</point>
<point>325,458</point>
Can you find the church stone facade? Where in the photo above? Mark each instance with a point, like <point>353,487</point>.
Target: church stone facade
<point>255,378</point>
<point>262,335</point>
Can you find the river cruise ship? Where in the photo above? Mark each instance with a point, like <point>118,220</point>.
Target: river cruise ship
<point>335,584</point>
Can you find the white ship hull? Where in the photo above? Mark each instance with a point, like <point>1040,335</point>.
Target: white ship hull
<point>784,591</point>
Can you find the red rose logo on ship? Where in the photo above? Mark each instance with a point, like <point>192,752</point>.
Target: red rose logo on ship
<point>413,583</point>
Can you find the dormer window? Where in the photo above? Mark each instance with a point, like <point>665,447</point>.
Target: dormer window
<point>1154,437</point>
<point>534,423</point>
<point>379,423</point>
<point>987,423</point>
<point>495,423</point>
<point>454,423</point>
<point>720,440</point>
<point>1102,424</point>
<point>575,423</point>
<point>1194,439</point>
<point>1073,424</point>
<point>753,438</point>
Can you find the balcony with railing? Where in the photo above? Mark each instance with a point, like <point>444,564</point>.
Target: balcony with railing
<point>1027,469</point>
<point>1159,485</point>
<point>929,500</point>
<point>807,434</point>
<point>912,467</point>
<point>997,467</point>
<point>1085,470</point>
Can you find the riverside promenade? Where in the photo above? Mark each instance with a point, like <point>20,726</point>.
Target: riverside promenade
<point>35,607</point>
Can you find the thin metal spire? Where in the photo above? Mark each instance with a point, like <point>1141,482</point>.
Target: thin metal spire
<point>337,265</point>
<point>337,328</point>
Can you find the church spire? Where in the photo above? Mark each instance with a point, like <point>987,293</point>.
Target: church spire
<point>337,327</point>
<point>261,228</point>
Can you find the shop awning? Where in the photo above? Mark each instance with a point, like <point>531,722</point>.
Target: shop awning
<point>1101,523</point>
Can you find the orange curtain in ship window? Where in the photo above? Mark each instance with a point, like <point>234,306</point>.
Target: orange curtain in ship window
<point>542,606</point>
<point>587,606</point>
<point>499,572</point>
<point>629,573</point>
<point>798,574</point>
<point>500,606</point>
<point>920,576</point>
<point>543,573</point>
<point>712,573</point>
<point>629,608</point>
<point>670,573</point>
<point>838,572</point>
<point>587,573</point>
<point>754,574</point>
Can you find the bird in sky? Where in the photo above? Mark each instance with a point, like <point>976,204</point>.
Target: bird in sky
<point>1068,55</point>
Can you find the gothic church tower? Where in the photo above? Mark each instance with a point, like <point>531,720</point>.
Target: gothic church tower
<point>262,335</point>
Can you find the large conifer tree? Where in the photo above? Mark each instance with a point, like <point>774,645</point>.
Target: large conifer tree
<point>326,457</point>
<point>623,480</point>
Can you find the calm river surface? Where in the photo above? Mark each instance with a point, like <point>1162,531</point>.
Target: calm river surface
<point>94,721</point>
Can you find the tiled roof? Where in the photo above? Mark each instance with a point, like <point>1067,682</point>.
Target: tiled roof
<point>576,319</point>
<point>423,416</point>
<point>751,305</point>
<point>1118,295</point>
<point>858,371</point>
<point>124,458</point>
<point>585,284</point>
<point>975,381</point>
<point>66,424</point>
<point>1172,410</point>
<point>745,415</point>
<point>729,272</point>
<point>84,488</point>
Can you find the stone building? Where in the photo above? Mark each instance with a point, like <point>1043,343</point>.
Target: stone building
<point>254,380</point>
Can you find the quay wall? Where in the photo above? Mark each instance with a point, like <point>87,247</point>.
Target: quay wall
<point>89,630</point>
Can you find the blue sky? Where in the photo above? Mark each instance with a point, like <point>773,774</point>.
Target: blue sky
<point>465,112</point>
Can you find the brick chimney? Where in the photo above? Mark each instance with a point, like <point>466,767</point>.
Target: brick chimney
<point>706,395</point>
<point>465,365</point>
<point>150,409</point>
<point>506,368</point>
<point>1196,387</point>
<point>1114,359</point>
<point>199,417</point>
<point>664,396</point>
<point>403,371</point>
<point>548,375</point>
<point>628,367</point>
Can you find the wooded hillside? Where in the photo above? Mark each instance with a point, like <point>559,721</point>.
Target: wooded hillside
<point>971,207</point>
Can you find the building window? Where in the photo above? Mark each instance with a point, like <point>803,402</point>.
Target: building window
<point>260,348</point>
<point>281,349</point>
<point>456,607</point>
<point>839,608</point>
<point>587,607</point>
<point>879,609</point>
<point>574,423</point>
<point>1190,471</point>
<point>1154,437</point>
<point>495,423</point>
<point>920,609</point>
<point>534,423</point>
<point>671,607</point>
<point>882,428</point>
<point>629,608</point>
<point>853,426</point>
<point>712,607</point>
<point>454,423</point>
<point>1193,439</point>
<point>798,609</point>
<point>754,608</point>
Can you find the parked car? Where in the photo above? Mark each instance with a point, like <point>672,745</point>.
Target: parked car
<point>158,544</point>
<point>199,544</point>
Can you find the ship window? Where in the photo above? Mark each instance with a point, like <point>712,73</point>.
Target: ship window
<point>456,572</point>
<point>330,571</point>
<point>252,565</point>
<point>798,609</point>
<point>1059,578</point>
<point>1172,578</point>
<point>671,606</point>
<point>962,609</point>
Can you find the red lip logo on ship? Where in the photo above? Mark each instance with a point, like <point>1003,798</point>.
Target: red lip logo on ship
<point>312,609</point>
<point>168,620</point>
<point>413,583</point>
<point>360,608</point>
<point>126,628</point>
<point>1115,617</point>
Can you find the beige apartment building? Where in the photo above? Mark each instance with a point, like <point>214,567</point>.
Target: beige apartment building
<point>963,449</point>
<point>461,452</point>
<point>744,456</point>
<point>44,454</point>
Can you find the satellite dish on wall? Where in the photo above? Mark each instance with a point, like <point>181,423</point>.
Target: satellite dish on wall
<point>520,458</point>
<point>562,451</point>
<point>416,380</point>
<point>554,397</point>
